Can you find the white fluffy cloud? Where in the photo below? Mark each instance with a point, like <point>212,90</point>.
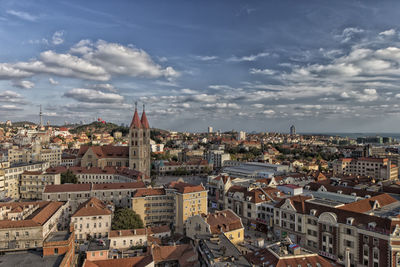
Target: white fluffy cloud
<point>23,84</point>
<point>93,96</point>
<point>52,81</point>
<point>248,58</point>
<point>390,32</point>
<point>262,71</point>
<point>58,38</point>
<point>22,15</point>
<point>91,61</point>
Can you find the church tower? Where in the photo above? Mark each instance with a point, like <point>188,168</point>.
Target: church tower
<point>139,143</point>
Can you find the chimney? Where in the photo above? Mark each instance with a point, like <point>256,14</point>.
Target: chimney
<point>119,233</point>
<point>134,231</point>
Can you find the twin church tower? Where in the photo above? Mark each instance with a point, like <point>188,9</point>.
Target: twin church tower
<point>139,143</point>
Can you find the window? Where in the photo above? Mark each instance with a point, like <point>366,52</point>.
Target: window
<point>55,251</point>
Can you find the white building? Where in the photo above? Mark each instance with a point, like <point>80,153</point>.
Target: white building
<point>241,135</point>
<point>217,157</point>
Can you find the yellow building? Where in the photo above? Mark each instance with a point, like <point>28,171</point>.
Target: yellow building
<point>173,204</point>
<point>225,222</point>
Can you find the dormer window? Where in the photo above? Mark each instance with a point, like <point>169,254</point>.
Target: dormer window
<point>339,191</point>
<point>313,212</point>
<point>350,221</point>
<point>368,196</point>
<point>372,225</point>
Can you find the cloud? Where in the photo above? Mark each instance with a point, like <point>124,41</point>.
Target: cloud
<point>23,84</point>
<point>262,71</point>
<point>52,81</point>
<point>10,108</point>
<point>222,106</point>
<point>11,97</point>
<point>7,71</point>
<point>91,61</point>
<point>93,96</point>
<point>206,58</point>
<point>390,32</point>
<point>123,60</point>
<point>22,15</point>
<point>349,33</point>
<point>57,38</point>
<point>104,87</point>
<point>248,58</point>
<point>269,112</point>
<point>188,91</point>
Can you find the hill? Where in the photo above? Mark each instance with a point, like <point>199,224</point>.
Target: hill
<point>98,127</point>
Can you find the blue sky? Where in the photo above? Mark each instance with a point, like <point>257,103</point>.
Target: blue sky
<point>246,65</point>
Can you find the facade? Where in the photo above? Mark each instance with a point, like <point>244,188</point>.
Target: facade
<point>33,182</point>
<point>139,143</point>
<point>292,130</point>
<point>192,166</point>
<point>125,239</point>
<point>173,204</point>
<point>92,219</point>
<point>155,206</point>
<point>377,168</point>
<point>241,135</point>
<point>221,222</point>
<point>13,174</point>
<point>119,194</point>
<point>25,225</point>
<point>348,229</point>
<point>217,157</point>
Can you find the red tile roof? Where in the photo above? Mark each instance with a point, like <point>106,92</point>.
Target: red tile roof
<point>140,261</point>
<point>144,121</point>
<point>136,121</point>
<point>223,221</point>
<point>92,207</point>
<point>185,188</point>
<point>149,192</point>
<point>67,188</point>
<point>185,254</point>
<point>129,232</point>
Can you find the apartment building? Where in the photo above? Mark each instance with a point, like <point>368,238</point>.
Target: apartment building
<point>99,175</point>
<point>190,200</point>
<point>32,183</point>
<point>25,225</point>
<point>254,204</point>
<point>92,219</point>
<point>19,155</point>
<point>50,155</point>
<point>347,229</point>
<point>119,194</point>
<point>155,206</point>
<point>221,222</point>
<point>217,186</point>
<point>217,157</point>
<point>192,166</point>
<point>377,168</point>
<point>173,204</point>
<point>125,239</point>
<point>13,174</point>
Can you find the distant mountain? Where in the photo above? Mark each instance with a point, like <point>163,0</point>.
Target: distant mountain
<point>22,123</point>
<point>99,127</point>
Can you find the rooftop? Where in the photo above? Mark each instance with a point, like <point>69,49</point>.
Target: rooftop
<point>58,236</point>
<point>99,244</point>
<point>30,258</point>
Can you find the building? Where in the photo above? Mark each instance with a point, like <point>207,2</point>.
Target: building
<point>125,239</point>
<point>360,231</point>
<point>142,261</point>
<point>92,220</point>
<point>13,174</point>
<point>98,250</point>
<point>254,204</point>
<point>184,255</point>
<point>255,169</point>
<point>224,222</point>
<point>190,200</point>
<point>26,225</point>
<point>32,183</point>
<point>119,194</point>
<point>58,250</point>
<point>188,167</point>
<point>135,156</point>
<point>217,157</point>
<point>173,204</point>
<point>139,143</point>
<point>210,129</point>
<point>155,206</point>
<point>286,253</point>
<point>218,250</point>
<point>241,135</point>
<point>292,130</point>
<point>376,168</point>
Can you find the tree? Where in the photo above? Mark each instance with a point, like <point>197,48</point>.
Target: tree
<point>68,177</point>
<point>125,218</point>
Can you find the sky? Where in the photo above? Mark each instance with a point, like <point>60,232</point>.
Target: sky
<point>322,65</point>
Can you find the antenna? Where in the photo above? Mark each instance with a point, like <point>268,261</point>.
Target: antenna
<point>40,116</point>
<point>143,107</point>
<point>135,105</point>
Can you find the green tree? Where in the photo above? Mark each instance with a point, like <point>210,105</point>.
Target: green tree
<point>125,218</point>
<point>68,177</point>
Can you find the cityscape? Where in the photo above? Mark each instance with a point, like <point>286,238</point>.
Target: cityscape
<point>221,133</point>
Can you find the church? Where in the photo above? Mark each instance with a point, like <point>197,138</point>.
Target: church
<point>135,156</point>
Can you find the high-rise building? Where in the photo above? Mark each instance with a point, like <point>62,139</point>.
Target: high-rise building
<point>292,130</point>
<point>241,135</point>
<point>210,129</point>
<point>139,143</point>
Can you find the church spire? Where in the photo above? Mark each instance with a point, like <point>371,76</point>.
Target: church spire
<point>135,120</point>
<point>143,120</point>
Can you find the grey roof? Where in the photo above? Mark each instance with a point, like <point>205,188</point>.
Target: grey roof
<point>30,258</point>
